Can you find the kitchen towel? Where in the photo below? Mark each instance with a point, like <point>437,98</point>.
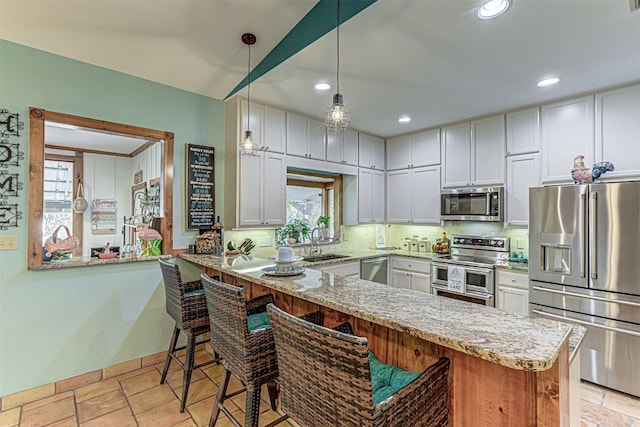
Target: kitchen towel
<point>455,279</point>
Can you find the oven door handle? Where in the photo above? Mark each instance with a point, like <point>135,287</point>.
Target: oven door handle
<point>478,295</point>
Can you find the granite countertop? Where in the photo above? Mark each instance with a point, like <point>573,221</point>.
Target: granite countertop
<point>514,340</point>
<point>87,262</point>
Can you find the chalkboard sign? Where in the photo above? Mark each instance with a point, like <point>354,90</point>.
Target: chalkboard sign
<point>200,187</point>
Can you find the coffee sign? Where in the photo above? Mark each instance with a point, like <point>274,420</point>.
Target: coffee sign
<point>200,186</point>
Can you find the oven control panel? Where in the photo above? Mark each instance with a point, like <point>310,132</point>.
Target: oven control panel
<point>484,243</point>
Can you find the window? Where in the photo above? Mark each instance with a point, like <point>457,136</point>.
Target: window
<point>310,195</point>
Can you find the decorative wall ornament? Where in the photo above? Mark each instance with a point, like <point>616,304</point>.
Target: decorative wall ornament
<point>10,154</point>
<point>10,124</point>
<point>9,215</point>
<point>9,184</point>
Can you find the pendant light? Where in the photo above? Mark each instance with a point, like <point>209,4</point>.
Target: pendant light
<point>249,147</point>
<point>338,117</point>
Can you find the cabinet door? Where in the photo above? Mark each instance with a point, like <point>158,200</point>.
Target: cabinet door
<point>274,184</point>
<point>617,131</point>
<point>401,279</point>
<point>378,153</point>
<point>425,148</point>
<point>365,150</point>
<point>365,195</point>
<point>522,172</point>
<point>567,130</point>
<point>256,114</point>
<point>297,135</point>
<point>350,147</point>
<point>317,139</point>
<point>456,146</point>
<point>378,196</point>
<point>250,191</point>
<point>523,131</point>
<point>421,282</point>
<point>399,196</point>
<point>513,300</point>
<point>488,146</point>
<point>335,142</point>
<point>399,153</point>
<point>425,195</point>
<point>275,130</point>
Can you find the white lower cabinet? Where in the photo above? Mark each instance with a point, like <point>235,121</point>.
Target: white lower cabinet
<point>411,273</point>
<point>513,291</point>
<point>349,269</point>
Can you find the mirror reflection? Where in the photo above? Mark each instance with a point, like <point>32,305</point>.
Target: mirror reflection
<point>101,190</point>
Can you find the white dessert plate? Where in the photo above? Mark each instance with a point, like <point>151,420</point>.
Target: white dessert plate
<point>271,271</point>
<point>293,259</point>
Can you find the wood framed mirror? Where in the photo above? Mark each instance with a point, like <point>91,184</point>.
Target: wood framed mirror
<point>40,120</point>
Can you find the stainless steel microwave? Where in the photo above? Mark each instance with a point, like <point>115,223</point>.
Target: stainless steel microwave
<point>472,204</point>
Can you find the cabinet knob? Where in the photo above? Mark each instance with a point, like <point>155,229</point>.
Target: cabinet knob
<point>513,280</point>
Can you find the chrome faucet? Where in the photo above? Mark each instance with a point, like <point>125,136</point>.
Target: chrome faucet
<point>315,250</point>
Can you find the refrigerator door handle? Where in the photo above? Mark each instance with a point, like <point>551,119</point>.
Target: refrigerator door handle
<point>583,254</point>
<point>583,323</point>
<point>590,297</point>
<point>593,233</point>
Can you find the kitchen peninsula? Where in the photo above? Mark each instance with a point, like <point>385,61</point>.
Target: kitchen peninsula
<point>506,369</point>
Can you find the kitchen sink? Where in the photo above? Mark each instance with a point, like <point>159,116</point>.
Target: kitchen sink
<point>326,257</point>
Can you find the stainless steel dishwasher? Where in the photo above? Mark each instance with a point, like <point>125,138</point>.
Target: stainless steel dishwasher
<point>374,269</point>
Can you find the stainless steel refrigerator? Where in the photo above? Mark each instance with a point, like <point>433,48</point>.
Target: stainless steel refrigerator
<point>584,268</point>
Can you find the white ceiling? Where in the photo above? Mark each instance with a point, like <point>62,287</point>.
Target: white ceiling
<point>431,59</point>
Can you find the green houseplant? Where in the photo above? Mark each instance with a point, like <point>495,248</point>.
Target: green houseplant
<point>294,231</point>
<point>323,223</point>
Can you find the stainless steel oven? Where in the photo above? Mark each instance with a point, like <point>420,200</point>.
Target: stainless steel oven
<point>468,273</point>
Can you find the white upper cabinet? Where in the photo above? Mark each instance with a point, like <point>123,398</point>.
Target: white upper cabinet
<point>412,151</point>
<point>342,147</point>
<point>488,148</point>
<point>523,131</point>
<point>306,137</point>
<point>474,153</point>
<point>371,152</point>
<point>261,190</point>
<point>371,196</point>
<point>413,195</point>
<point>456,147</point>
<point>523,172</point>
<point>256,120</point>
<point>618,132</point>
<point>275,130</point>
<point>567,131</point>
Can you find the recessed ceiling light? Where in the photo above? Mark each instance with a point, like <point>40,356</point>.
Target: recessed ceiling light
<point>548,82</point>
<point>493,8</point>
<point>404,119</point>
<point>322,86</point>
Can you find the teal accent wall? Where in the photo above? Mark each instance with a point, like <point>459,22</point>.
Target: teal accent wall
<point>61,323</point>
<point>316,23</point>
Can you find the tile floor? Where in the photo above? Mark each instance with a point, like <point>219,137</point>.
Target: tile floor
<point>136,398</point>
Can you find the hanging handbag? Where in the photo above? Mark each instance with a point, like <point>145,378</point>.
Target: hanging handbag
<point>56,244</point>
<point>80,204</point>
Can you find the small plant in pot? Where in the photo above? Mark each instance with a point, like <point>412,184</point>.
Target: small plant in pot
<point>295,231</point>
<point>323,223</point>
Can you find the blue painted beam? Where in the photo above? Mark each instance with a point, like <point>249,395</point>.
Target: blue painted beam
<point>316,23</point>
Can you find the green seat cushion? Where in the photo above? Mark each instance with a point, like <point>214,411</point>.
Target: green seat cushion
<point>257,321</point>
<point>387,379</point>
<point>196,292</point>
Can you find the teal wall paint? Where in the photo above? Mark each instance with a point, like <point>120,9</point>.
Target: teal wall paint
<point>57,324</point>
<point>316,23</point>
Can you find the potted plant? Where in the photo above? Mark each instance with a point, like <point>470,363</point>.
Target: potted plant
<point>323,223</point>
<point>295,231</point>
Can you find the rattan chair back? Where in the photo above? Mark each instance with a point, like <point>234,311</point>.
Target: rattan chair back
<point>325,380</point>
<point>251,356</point>
<point>189,312</point>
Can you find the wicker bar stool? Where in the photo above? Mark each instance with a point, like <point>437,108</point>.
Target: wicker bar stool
<point>329,378</point>
<point>187,305</point>
<point>241,333</point>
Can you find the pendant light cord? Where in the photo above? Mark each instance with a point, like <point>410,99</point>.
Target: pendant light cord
<point>249,87</point>
<point>338,47</point>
